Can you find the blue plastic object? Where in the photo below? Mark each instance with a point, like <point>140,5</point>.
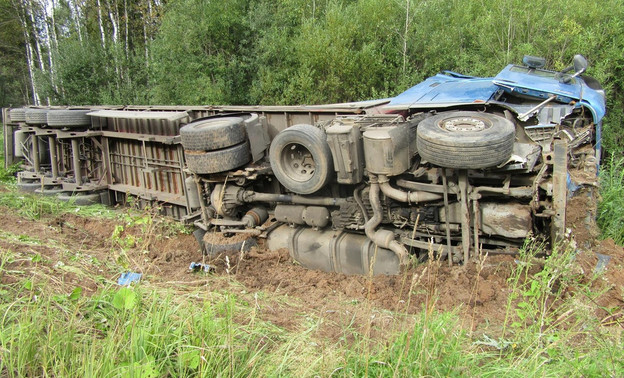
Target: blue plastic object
<point>128,278</point>
<point>199,266</point>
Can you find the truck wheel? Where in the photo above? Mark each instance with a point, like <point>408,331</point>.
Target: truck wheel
<point>49,190</point>
<point>301,159</point>
<point>206,162</point>
<point>36,116</point>
<point>28,187</point>
<point>68,118</point>
<point>17,115</point>
<point>467,140</point>
<point>213,134</point>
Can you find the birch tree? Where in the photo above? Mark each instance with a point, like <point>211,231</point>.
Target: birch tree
<point>48,39</point>
<point>114,19</point>
<point>76,16</point>
<point>22,8</point>
<point>101,25</point>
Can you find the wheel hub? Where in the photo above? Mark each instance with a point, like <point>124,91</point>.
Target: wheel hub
<point>298,162</point>
<point>463,124</point>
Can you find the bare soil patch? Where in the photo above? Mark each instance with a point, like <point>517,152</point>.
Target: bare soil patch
<point>282,291</point>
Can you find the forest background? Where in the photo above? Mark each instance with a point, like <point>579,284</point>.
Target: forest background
<point>291,51</point>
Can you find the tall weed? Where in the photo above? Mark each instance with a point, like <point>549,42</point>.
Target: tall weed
<point>611,208</point>
<point>435,346</point>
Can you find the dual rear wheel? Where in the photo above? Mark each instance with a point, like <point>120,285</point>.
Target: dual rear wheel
<point>215,145</point>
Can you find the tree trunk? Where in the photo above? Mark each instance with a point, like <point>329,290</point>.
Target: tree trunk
<point>21,10</point>
<point>101,24</point>
<point>147,21</point>
<point>126,24</point>
<point>36,38</point>
<point>405,33</point>
<point>75,15</point>
<point>49,44</point>
<point>114,21</point>
<point>55,46</point>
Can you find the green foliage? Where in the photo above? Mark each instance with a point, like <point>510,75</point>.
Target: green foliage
<point>302,52</point>
<point>611,207</point>
<point>91,75</point>
<point>7,175</point>
<point>201,55</point>
<point>325,56</point>
<point>538,297</point>
<point>13,70</point>
<point>124,299</point>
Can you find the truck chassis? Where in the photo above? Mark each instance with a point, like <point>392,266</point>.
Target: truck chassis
<point>355,188</point>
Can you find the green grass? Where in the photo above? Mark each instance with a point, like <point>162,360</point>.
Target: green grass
<point>128,332</point>
<point>33,206</point>
<point>149,331</point>
<point>611,208</point>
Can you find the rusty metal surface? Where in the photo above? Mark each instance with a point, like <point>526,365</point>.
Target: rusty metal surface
<point>141,115</point>
<point>166,120</point>
<point>7,133</point>
<point>559,195</point>
<point>465,214</point>
<point>509,219</point>
<point>150,169</point>
<point>148,123</point>
<point>165,139</point>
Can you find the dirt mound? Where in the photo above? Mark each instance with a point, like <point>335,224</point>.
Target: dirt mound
<point>581,211</point>
<point>478,291</point>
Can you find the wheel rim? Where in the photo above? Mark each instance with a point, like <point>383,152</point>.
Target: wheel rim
<point>298,162</point>
<point>463,124</point>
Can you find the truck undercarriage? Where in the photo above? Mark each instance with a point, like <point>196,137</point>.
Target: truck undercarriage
<point>344,187</point>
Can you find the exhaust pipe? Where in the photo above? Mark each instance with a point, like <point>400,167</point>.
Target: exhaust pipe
<point>382,238</point>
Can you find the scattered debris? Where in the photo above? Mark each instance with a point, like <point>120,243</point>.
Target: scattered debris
<point>128,278</point>
<point>601,265</point>
<point>199,266</point>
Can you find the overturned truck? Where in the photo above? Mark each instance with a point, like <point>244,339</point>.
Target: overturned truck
<point>455,166</point>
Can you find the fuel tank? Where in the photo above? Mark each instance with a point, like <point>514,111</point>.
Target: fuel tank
<point>334,251</point>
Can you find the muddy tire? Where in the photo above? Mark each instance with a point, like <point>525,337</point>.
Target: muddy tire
<point>215,245</point>
<point>206,162</point>
<point>213,134</point>
<point>36,116</point>
<point>80,199</point>
<point>17,115</point>
<point>28,187</point>
<point>49,190</point>
<point>301,159</point>
<point>467,140</point>
<point>68,118</point>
